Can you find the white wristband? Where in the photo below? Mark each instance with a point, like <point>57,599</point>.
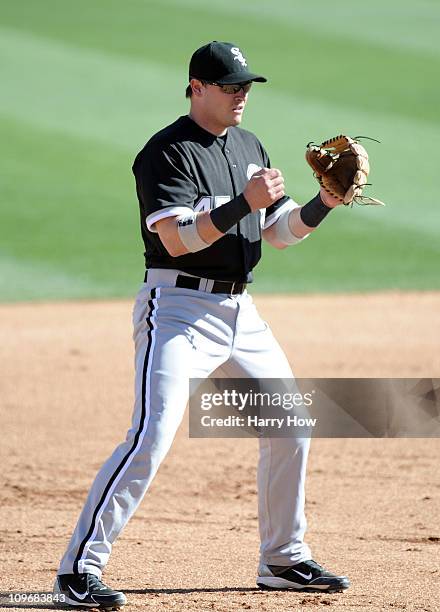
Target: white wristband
<point>283,232</point>
<point>188,233</point>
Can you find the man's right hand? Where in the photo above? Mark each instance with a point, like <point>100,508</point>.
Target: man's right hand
<point>264,188</point>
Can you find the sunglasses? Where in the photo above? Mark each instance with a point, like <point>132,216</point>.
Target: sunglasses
<point>234,88</point>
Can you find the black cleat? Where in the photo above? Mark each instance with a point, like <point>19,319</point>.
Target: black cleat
<point>86,591</point>
<point>305,576</point>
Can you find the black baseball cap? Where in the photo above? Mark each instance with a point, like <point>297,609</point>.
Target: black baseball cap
<point>222,63</point>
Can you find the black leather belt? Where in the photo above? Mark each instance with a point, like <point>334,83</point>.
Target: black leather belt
<point>191,282</point>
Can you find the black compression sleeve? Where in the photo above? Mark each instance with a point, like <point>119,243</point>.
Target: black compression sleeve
<point>227,215</point>
<point>314,212</point>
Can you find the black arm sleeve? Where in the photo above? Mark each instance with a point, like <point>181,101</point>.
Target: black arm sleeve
<point>314,212</point>
<point>226,216</point>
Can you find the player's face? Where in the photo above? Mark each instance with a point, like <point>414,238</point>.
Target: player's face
<point>224,109</point>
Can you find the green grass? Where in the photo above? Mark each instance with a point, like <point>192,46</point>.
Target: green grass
<point>85,84</point>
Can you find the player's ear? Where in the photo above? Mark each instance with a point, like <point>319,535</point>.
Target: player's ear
<point>197,87</point>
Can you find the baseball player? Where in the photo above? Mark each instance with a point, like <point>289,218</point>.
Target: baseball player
<point>207,197</point>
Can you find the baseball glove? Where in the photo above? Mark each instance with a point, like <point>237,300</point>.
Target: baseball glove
<point>341,166</point>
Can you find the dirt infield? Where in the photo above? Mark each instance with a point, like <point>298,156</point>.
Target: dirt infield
<point>373,506</point>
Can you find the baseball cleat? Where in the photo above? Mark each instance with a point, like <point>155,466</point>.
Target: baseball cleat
<point>305,576</point>
<point>86,591</point>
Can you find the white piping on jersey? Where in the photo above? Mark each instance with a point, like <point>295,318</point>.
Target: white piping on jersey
<point>171,211</point>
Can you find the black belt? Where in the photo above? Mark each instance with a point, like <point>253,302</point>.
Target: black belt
<point>193,282</point>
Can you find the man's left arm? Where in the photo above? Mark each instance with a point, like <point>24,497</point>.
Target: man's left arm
<point>294,223</point>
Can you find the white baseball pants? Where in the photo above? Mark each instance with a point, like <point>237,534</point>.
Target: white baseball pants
<point>181,334</point>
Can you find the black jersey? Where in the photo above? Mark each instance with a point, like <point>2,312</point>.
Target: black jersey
<point>183,167</point>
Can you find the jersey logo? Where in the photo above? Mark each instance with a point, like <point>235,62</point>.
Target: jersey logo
<point>252,169</point>
<point>238,56</point>
<point>210,202</point>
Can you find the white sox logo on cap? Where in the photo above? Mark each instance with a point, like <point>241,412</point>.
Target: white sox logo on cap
<point>238,56</point>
